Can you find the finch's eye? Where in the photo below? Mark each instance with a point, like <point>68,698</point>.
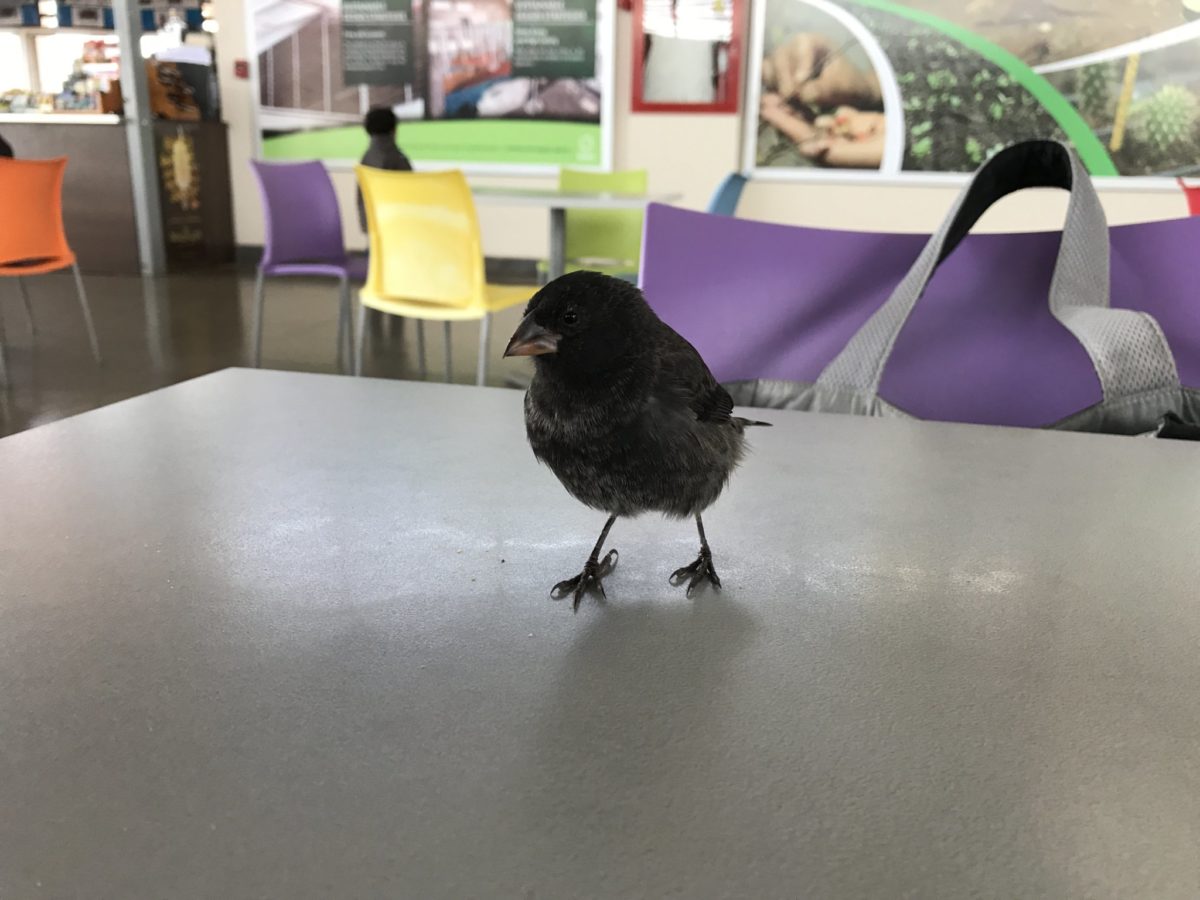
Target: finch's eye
<point>570,317</point>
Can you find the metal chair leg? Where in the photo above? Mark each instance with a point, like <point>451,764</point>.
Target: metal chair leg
<point>395,325</point>
<point>485,326</point>
<point>87,314</point>
<point>362,339</point>
<point>260,289</point>
<point>361,343</point>
<point>446,348</point>
<point>558,243</point>
<point>344,353</point>
<point>24,289</point>
<point>3,356</point>
<point>349,327</point>
<point>421,348</point>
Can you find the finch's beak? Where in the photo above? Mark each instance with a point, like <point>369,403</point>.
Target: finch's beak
<point>531,339</point>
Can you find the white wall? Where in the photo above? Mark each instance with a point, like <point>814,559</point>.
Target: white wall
<point>688,154</point>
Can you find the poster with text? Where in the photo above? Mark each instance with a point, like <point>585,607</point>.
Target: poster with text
<point>554,38</point>
<point>937,86</point>
<point>377,42</point>
<point>510,85</point>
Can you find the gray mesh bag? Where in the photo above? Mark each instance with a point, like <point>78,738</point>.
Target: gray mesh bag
<point>1131,357</point>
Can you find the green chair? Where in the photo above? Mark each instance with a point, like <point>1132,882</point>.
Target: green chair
<point>604,240</point>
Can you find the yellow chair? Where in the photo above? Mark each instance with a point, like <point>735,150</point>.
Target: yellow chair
<point>604,240</point>
<point>426,257</point>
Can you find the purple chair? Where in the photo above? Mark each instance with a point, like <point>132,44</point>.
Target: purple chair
<point>304,238</point>
<point>775,303</point>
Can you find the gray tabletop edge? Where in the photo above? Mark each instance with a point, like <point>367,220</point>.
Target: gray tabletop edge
<point>778,417</point>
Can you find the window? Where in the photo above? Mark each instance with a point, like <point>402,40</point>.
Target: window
<point>14,70</point>
<point>56,56</point>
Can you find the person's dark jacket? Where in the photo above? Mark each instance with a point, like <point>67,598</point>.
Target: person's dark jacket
<point>6,148</point>
<point>382,154</point>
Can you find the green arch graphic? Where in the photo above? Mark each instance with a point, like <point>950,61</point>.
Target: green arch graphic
<point>1091,150</point>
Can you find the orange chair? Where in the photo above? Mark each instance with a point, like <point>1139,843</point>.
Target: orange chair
<point>32,240</point>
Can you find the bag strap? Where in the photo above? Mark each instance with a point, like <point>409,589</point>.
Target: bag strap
<point>1128,349</point>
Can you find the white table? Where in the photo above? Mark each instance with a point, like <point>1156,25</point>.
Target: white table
<point>558,202</point>
<point>282,635</point>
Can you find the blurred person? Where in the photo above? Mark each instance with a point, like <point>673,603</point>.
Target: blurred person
<point>6,149</point>
<point>382,153</point>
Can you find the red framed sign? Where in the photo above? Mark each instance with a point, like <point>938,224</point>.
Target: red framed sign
<point>687,55</point>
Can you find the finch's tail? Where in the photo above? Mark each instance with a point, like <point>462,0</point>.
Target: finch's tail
<point>746,423</point>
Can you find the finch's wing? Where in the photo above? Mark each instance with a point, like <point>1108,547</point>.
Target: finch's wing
<point>683,374</point>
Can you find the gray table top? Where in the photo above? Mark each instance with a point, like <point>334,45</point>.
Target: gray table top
<point>288,636</point>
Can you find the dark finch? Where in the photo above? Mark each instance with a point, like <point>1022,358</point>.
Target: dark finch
<point>626,414</point>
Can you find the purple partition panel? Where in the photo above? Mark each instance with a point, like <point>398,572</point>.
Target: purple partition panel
<point>772,301</point>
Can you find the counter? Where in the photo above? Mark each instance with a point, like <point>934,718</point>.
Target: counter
<point>59,118</point>
<point>98,212</point>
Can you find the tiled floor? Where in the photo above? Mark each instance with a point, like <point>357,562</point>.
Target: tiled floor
<point>154,332</point>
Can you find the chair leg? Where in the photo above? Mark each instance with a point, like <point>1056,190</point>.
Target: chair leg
<point>344,353</point>
<point>87,314</point>
<point>558,243</point>
<point>446,347</point>
<point>24,289</point>
<point>349,327</point>
<point>421,348</point>
<point>3,356</point>
<point>485,326</point>
<point>260,289</point>
<point>362,339</point>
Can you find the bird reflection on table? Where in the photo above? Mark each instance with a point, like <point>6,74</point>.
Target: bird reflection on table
<point>604,724</point>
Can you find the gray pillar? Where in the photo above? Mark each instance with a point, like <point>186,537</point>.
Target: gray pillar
<point>139,136</point>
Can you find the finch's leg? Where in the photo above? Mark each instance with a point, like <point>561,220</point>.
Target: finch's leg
<point>701,570</point>
<point>594,571</point>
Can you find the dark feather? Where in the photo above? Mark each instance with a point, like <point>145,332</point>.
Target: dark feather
<point>626,413</point>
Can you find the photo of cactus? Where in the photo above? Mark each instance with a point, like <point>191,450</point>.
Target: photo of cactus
<point>1144,107</point>
<point>938,86</point>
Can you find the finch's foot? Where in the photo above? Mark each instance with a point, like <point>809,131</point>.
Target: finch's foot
<point>701,570</point>
<point>591,578</point>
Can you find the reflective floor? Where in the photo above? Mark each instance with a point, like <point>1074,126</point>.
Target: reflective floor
<point>155,332</point>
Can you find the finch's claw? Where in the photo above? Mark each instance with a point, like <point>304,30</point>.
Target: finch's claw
<point>697,573</point>
<point>591,578</point>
